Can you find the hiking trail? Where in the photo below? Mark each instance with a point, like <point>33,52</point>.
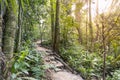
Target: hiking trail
<point>58,69</point>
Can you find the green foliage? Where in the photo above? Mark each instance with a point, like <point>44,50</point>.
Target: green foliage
<point>36,64</point>
<point>12,5</point>
<point>28,65</point>
<point>88,64</point>
<point>115,75</point>
<point>116,62</point>
<point>46,43</point>
<point>5,2</point>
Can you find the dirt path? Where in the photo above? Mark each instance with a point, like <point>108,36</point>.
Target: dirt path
<point>56,69</point>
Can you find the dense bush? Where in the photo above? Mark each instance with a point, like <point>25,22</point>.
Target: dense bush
<point>28,65</point>
<point>115,75</point>
<point>89,65</point>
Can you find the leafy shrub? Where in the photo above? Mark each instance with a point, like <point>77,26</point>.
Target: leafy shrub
<point>28,66</point>
<point>115,75</point>
<point>88,64</point>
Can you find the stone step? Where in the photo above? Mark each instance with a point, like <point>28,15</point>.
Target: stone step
<point>58,69</point>
<point>52,58</point>
<point>47,59</point>
<point>57,64</point>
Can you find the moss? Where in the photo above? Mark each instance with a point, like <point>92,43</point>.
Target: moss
<point>9,32</point>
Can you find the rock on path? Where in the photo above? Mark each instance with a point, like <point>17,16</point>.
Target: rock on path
<point>65,75</point>
<point>56,70</point>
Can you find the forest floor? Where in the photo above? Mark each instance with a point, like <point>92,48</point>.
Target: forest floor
<point>57,68</point>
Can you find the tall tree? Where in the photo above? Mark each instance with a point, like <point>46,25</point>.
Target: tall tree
<point>9,32</point>
<point>66,21</point>
<point>52,21</point>
<point>90,25</point>
<point>0,46</point>
<point>86,31</point>
<point>104,47</point>
<point>2,56</point>
<point>18,31</point>
<point>78,20</point>
<point>97,24</point>
<point>0,33</point>
<point>57,28</point>
<point>9,35</point>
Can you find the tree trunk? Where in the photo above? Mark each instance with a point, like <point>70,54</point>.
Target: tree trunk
<point>90,25</point>
<point>2,56</point>
<point>9,32</point>
<point>0,33</point>
<point>18,32</point>
<point>52,22</point>
<point>79,34</point>
<point>86,31</point>
<point>9,36</point>
<point>104,48</point>
<point>78,20</point>
<point>97,24</point>
<point>57,29</point>
<point>1,48</point>
<point>65,36</point>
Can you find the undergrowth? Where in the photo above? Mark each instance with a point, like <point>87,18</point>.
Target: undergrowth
<point>28,65</point>
<point>89,65</point>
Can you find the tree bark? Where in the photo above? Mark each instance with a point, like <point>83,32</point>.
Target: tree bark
<point>104,48</point>
<point>0,33</point>
<point>57,29</point>
<point>1,59</point>
<point>79,34</point>
<point>78,20</point>
<point>52,22</point>
<point>9,36</point>
<point>18,32</point>
<point>90,25</point>
<point>2,56</point>
<point>9,32</point>
<point>97,24</point>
